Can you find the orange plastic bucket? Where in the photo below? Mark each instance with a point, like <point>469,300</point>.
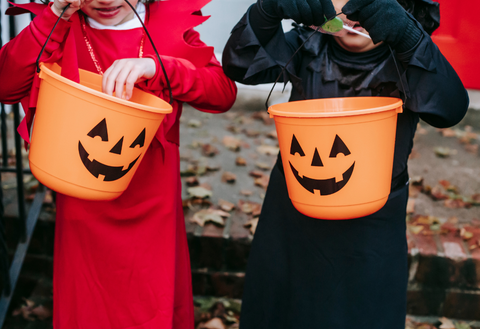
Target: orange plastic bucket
<point>88,144</point>
<point>337,153</point>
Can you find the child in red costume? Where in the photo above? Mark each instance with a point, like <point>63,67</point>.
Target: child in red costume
<point>123,263</point>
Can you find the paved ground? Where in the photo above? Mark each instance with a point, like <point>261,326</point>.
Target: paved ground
<point>228,157</point>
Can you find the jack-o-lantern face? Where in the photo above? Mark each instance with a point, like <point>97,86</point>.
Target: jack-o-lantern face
<point>98,169</point>
<point>325,186</point>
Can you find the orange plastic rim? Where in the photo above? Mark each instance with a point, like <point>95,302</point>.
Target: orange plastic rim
<point>337,153</point>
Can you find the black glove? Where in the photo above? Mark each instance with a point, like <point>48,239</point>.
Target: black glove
<point>385,20</point>
<point>308,12</point>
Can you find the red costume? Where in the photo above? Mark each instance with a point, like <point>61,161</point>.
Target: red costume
<point>123,263</point>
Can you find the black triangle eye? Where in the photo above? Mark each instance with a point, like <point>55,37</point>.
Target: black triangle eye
<point>295,147</point>
<point>100,130</point>
<point>117,149</point>
<point>316,161</point>
<point>339,147</point>
<point>140,140</point>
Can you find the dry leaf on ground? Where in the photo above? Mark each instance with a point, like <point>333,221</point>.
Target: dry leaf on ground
<point>239,161</point>
<point>191,181</point>
<point>209,215</point>
<point>209,150</point>
<point>225,205</point>
<point>229,177</point>
<point>268,149</point>
<point>249,207</point>
<point>232,143</point>
<point>194,123</point>
<point>252,225</point>
<point>262,181</point>
<point>199,192</point>
<point>446,323</point>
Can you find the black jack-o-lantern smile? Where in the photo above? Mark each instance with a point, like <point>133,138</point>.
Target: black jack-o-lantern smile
<point>110,173</point>
<point>325,186</point>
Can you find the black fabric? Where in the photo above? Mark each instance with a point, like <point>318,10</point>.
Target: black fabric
<point>310,273</point>
<point>313,273</point>
<point>385,20</point>
<point>308,12</point>
<point>263,25</point>
<point>426,12</point>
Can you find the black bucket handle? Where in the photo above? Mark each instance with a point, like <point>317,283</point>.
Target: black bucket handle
<point>300,47</point>
<point>146,31</point>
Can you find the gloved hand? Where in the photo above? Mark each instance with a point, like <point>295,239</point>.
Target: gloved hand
<point>308,12</point>
<point>385,20</point>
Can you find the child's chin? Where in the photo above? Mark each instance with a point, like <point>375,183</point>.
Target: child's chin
<point>354,44</point>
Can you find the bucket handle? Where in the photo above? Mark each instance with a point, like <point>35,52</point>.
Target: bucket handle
<point>146,31</point>
<point>300,47</point>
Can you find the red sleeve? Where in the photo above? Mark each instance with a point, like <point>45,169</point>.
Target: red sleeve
<point>18,57</point>
<point>207,88</point>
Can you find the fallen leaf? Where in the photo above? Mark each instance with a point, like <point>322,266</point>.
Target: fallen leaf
<point>199,192</point>
<point>466,235</point>
<point>256,173</point>
<point>438,192</point>
<point>211,167</point>
<point>476,198</point>
<point>268,149</point>
<point>249,207</point>
<point>225,205</point>
<point>414,154</point>
<point>252,225</point>
<point>415,229</point>
<point>410,206</point>
<point>209,215</point>
<point>421,130</point>
<point>229,177</point>
<point>251,132</point>
<point>416,180</point>
<point>262,181</point>
<point>194,123</point>
<point>191,181</point>
<point>246,192</point>
<point>462,325</point>
<point>442,152</point>
<point>446,323</point>
<point>239,161</point>
<point>264,116</point>
<point>232,143</point>
<point>455,204</point>
<point>195,145</point>
<point>472,148</point>
<point>233,129</point>
<point>448,132</point>
<point>209,150</point>
<point>263,165</point>
<point>452,220</point>
<point>272,134</point>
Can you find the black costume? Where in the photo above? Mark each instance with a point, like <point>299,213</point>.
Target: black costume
<point>351,274</point>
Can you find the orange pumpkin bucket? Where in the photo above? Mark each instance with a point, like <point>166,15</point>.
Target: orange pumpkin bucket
<point>88,144</point>
<point>337,153</point>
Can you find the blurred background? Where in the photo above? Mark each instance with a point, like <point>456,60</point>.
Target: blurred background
<point>225,165</point>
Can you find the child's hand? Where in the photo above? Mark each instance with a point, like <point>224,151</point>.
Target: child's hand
<point>59,5</point>
<point>126,73</point>
<point>385,20</point>
<point>308,12</point>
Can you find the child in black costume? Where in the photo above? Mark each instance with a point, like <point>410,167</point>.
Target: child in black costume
<point>341,274</point>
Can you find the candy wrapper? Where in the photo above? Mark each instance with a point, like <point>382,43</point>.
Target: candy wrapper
<point>338,27</point>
